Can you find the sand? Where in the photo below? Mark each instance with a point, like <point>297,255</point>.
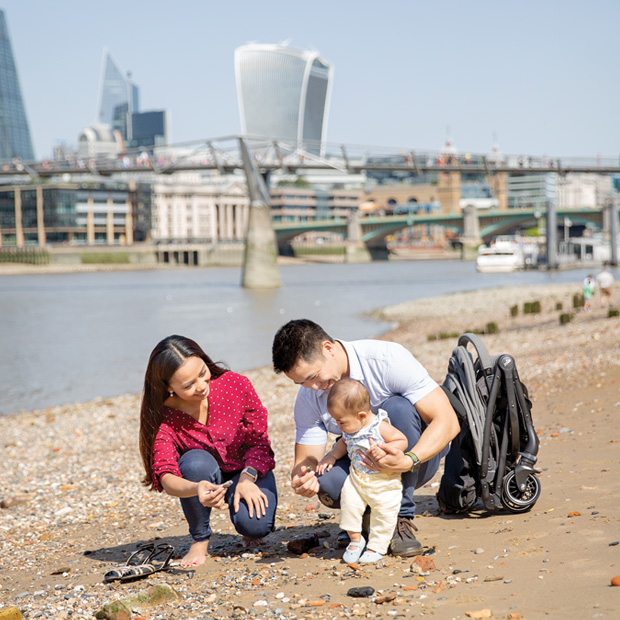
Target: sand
<point>74,505</point>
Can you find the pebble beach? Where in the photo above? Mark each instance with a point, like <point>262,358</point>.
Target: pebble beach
<point>71,504</point>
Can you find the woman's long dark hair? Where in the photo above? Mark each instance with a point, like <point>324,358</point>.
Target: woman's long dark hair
<point>164,361</point>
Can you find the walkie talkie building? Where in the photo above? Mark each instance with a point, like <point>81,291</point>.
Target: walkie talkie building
<point>14,132</point>
<point>283,94</point>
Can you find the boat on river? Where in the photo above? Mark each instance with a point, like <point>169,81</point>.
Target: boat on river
<point>503,254</point>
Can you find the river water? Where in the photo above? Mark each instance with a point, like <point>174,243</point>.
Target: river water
<point>74,337</point>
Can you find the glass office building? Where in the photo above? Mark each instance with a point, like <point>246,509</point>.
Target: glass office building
<point>283,93</point>
<point>118,97</point>
<point>14,132</point>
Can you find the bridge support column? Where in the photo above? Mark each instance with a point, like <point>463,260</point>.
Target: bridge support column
<point>260,266</point>
<point>41,237</point>
<point>471,232</point>
<point>552,236</point>
<point>19,227</point>
<point>355,249</point>
<point>613,231</point>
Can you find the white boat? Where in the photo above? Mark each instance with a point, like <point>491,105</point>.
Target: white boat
<point>504,254</point>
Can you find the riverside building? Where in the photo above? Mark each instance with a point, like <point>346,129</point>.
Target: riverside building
<point>283,94</point>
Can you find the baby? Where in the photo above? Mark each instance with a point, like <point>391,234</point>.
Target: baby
<point>363,432</point>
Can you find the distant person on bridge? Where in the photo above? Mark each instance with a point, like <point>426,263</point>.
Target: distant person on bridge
<point>397,383</point>
<point>204,429</point>
<point>605,281</point>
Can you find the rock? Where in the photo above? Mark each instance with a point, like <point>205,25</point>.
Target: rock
<point>302,544</point>
<point>361,592</point>
<point>423,563</point>
<point>151,597</point>
<point>15,500</point>
<point>10,613</point>
<point>114,611</point>
<point>386,599</point>
<point>480,614</point>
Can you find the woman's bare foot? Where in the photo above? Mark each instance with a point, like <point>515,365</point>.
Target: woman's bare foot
<point>251,542</point>
<point>196,555</point>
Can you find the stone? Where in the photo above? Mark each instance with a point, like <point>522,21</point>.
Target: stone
<point>10,613</point>
<point>423,563</point>
<point>480,614</point>
<point>114,611</point>
<point>386,599</point>
<point>361,592</point>
<point>302,544</point>
<point>151,597</point>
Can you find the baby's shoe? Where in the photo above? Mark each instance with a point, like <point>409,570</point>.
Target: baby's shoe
<point>371,556</point>
<point>353,551</point>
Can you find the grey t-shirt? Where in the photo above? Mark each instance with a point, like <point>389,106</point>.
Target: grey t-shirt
<point>385,368</point>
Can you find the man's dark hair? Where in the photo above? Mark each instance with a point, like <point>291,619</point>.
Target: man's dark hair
<point>297,340</point>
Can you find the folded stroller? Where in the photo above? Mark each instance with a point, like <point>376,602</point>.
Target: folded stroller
<point>493,456</point>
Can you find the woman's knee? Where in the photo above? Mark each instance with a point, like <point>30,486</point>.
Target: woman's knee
<point>197,465</point>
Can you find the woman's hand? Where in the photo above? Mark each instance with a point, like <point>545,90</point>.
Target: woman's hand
<point>211,495</point>
<point>256,500</point>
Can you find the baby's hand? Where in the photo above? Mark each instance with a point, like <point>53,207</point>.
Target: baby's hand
<point>376,451</point>
<point>327,462</point>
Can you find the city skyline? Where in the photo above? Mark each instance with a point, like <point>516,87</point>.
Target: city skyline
<point>539,78</point>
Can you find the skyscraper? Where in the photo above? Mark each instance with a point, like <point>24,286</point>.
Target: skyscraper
<point>283,93</point>
<point>14,132</point>
<point>118,97</point>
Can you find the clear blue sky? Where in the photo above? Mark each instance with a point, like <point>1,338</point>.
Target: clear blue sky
<point>542,75</point>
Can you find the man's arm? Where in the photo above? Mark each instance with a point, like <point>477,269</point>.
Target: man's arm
<point>306,483</point>
<point>442,427</point>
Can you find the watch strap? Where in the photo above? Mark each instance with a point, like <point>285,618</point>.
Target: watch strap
<point>250,471</point>
<point>416,463</point>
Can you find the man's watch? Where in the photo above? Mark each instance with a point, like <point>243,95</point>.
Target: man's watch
<point>417,463</point>
<point>250,471</point>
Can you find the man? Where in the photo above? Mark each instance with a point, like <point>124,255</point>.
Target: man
<point>604,281</point>
<point>396,382</point>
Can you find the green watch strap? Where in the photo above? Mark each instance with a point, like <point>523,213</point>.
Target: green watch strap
<point>416,461</point>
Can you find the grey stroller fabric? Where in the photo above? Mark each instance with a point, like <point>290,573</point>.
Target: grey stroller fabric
<point>461,381</point>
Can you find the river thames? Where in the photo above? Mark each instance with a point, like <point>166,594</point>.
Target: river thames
<point>78,336</point>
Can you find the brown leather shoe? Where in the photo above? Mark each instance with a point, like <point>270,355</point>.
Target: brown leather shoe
<point>404,543</point>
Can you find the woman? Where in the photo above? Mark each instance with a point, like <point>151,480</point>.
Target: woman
<point>202,425</point>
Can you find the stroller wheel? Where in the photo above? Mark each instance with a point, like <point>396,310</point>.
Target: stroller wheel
<point>516,500</point>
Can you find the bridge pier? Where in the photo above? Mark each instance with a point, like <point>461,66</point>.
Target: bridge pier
<point>471,232</point>
<point>552,236</point>
<point>260,266</point>
<point>355,249</point>
<point>612,211</point>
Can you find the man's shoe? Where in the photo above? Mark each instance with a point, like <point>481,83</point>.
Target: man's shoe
<point>404,543</point>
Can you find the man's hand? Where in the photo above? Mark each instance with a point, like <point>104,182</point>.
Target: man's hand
<point>305,483</point>
<point>386,457</point>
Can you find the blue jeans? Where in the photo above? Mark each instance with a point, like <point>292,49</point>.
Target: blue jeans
<point>405,418</point>
<point>197,465</point>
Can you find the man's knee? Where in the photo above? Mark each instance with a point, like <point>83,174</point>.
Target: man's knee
<point>404,417</point>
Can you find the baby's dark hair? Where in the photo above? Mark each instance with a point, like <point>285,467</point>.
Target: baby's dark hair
<point>350,394</point>
<point>300,339</point>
